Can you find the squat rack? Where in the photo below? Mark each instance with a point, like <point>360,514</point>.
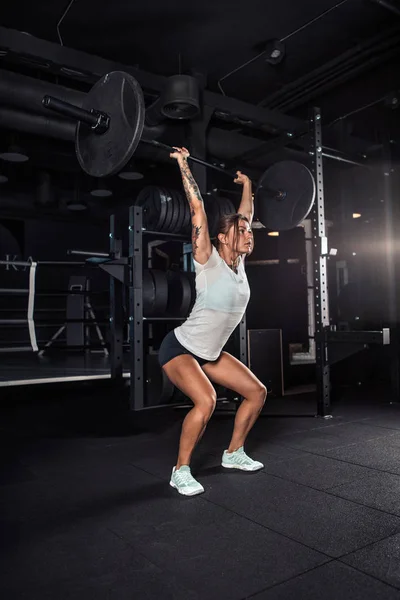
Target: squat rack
<point>331,345</point>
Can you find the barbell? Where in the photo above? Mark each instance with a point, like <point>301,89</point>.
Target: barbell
<point>109,128</point>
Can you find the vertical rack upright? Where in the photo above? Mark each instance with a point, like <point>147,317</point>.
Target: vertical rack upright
<point>320,252</point>
<point>117,291</point>
<point>136,395</point>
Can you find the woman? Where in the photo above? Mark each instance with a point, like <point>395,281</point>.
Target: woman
<point>191,355</point>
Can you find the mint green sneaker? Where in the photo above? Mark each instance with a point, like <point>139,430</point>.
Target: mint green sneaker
<point>184,482</point>
<point>240,460</point>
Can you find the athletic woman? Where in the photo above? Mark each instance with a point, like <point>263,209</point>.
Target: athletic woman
<point>192,355</point>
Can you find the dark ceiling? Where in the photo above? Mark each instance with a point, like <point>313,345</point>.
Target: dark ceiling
<point>210,37</point>
<point>341,56</point>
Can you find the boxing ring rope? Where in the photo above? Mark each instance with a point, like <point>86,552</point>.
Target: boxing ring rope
<point>31,306</point>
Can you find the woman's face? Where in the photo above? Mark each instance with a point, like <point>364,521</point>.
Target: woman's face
<point>244,242</point>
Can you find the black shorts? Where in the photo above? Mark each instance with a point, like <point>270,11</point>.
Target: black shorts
<point>170,347</point>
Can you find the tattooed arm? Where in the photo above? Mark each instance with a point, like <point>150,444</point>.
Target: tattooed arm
<point>201,242</point>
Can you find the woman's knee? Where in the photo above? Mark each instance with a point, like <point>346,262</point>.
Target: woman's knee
<point>259,393</point>
<point>207,405</point>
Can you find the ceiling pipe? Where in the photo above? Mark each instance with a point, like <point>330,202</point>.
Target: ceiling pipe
<point>27,92</point>
<point>222,144</point>
<point>333,80</point>
<point>388,5</point>
<point>23,122</point>
<point>378,47</point>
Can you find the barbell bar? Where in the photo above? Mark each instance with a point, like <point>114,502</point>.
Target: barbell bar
<point>99,123</point>
<point>109,128</point>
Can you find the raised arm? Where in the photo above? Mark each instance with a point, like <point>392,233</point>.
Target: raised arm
<point>201,242</point>
<point>246,207</point>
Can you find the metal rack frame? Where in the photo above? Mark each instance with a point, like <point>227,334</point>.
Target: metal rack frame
<point>331,345</point>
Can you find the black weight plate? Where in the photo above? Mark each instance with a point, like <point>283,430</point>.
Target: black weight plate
<point>120,96</point>
<point>179,212</point>
<point>179,294</point>
<point>208,207</point>
<point>223,208</point>
<point>298,186</point>
<point>163,200</point>
<point>161,287</point>
<point>186,219</point>
<point>169,212</point>
<point>186,226</point>
<point>187,293</point>
<point>191,277</point>
<point>230,207</point>
<point>174,293</point>
<point>145,200</point>
<point>149,294</point>
<point>213,214</point>
<point>159,389</point>
<point>153,208</point>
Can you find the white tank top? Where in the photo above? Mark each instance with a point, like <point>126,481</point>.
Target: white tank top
<point>221,299</point>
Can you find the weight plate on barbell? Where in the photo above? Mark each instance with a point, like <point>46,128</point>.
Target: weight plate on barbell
<point>120,96</point>
<point>230,207</point>
<point>287,209</point>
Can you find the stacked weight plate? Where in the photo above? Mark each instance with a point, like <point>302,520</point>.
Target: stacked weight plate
<point>170,293</point>
<point>155,293</point>
<point>168,210</point>
<point>164,210</point>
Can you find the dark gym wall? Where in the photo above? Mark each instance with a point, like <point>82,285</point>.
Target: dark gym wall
<point>45,240</point>
<point>49,240</point>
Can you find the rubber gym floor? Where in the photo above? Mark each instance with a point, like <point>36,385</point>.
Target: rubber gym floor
<point>86,511</point>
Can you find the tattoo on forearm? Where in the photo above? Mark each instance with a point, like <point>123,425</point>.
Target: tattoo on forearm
<point>195,237</point>
<point>190,185</point>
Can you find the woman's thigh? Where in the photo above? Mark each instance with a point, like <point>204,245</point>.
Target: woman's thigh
<point>229,372</point>
<point>186,374</point>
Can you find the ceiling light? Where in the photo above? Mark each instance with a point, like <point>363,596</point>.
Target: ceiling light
<point>100,190</point>
<point>356,215</point>
<point>14,154</point>
<point>274,52</point>
<point>273,233</point>
<point>130,174</point>
<point>76,204</point>
<point>101,193</point>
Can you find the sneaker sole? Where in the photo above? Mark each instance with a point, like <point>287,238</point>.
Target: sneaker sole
<point>195,493</point>
<point>241,467</point>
